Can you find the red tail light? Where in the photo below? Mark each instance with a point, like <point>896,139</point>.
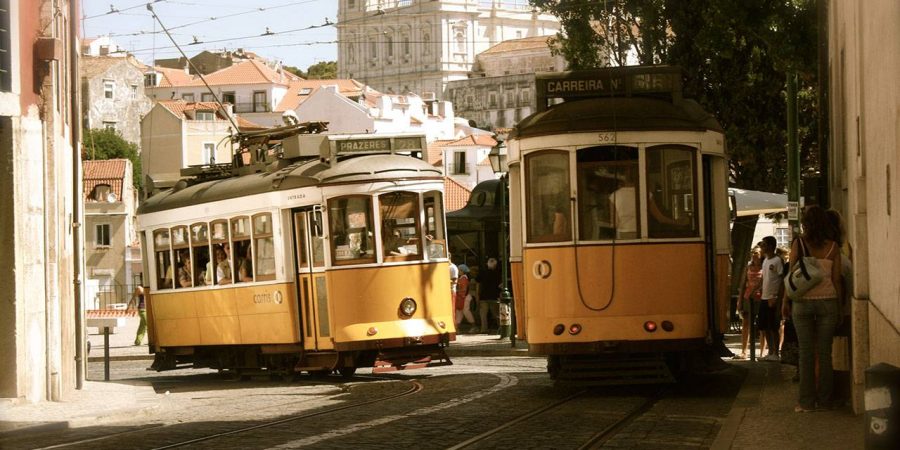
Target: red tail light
<point>650,326</point>
<point>574,329</point>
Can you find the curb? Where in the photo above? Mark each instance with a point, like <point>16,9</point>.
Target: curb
<point>747,397</point>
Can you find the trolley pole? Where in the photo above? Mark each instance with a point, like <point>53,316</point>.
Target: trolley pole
<point>793,156</point>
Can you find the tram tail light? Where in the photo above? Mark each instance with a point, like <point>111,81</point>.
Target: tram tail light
<point>667,325</point>
<point>372,331</point>
<point>574,329</point>
<point>558,329</point>
<point>650,326</point>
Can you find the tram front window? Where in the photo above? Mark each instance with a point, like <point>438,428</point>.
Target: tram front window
<point>400,235</point>
<point>350,221</point>
<point>164,271</point>
<point>608,193</point>
<point>265,248</point>
<point>671,192</point>
<point>434,225</point>
<point>548,213</point>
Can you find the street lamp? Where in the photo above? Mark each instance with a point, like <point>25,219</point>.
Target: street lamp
<point>498,159</point>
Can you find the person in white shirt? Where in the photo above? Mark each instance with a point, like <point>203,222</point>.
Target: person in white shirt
<point>768,319</point>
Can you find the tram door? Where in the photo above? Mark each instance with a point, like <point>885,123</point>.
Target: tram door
<point>310,250</point>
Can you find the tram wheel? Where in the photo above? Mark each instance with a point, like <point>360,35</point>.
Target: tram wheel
<point>347,372</point>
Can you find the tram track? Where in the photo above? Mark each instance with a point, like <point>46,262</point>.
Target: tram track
<point>595,441</point>
<point>414,389</point>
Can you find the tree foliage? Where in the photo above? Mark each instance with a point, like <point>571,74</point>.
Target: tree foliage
<point>735,55</point>
<point>326,70</point>
<point>101,144</point>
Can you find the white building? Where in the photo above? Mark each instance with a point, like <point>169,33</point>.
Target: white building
<point>400,46</point>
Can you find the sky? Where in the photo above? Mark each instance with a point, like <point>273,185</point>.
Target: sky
<point>299,34</point>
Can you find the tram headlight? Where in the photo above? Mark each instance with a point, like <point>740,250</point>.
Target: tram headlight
<point>407,308</point>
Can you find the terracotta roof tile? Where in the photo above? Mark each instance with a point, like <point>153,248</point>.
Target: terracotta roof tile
<point>474,139</point>
<point>250,71</point>
<point>456,196</point>
<point>300,90</point>
<point>434,154</point>
<point>110,172</point>
<point>179,107</point>
<point>173,77</point>
<point>529,43</point>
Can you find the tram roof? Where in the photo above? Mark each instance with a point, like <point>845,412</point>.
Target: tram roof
<point>617,114</point>
<point>297,175</point>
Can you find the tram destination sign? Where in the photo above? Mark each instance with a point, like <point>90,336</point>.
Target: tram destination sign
<point>607,82</point>
<point>347,145</point>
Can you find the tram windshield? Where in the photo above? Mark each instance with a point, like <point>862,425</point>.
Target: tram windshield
<point>608,193</point>
<point>548,197</point>
<point>671,192</point>
<point>401,238</point>
<point>350,220</point>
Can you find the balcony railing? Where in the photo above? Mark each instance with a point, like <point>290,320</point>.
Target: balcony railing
<point>251,107</point>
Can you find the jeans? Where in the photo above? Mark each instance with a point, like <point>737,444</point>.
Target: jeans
<point>815,322</point>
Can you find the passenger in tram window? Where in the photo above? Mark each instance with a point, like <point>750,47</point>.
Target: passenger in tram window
<point>167,279</point>
<point>244,262</point>
<point>184,272</point>
<point>223,268</point>
<point>623,210</point>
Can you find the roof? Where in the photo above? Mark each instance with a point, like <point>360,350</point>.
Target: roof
<point>616,113</point>
<point>245,124</point>
<point>297,175</point>
<point>249,71</point>
<point>435,152</point>
<point>299,90</point>
<point>110,172</point>
<point>753,203</point>
<point>179,107</point>
<point>513,45</point>
<point>455,195</point>
<point>482,210</point>
<point>172,77</point>
<point>474,139</point>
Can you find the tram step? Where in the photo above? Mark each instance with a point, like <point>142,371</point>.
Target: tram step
<point>600,372</point>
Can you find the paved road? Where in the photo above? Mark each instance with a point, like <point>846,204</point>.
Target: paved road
<point>497,402</point>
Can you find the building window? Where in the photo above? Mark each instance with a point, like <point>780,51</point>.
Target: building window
<point>459,163</point>
<point>102,235</point>
<point>109,86</point>
<point>5,48</point>
<point>389,47</point>
<point>209,153</point>
<point>783,236</point>
<point>134,91</point>
<point>187,97</point>
<point>151,79</point>
<point>259,101</point>
<point>207,116</point>
<point>109,126</point>
<point>206,97</point>
<point>228,97</point>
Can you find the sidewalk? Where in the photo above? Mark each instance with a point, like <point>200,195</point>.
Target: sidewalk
<point>762,415</point>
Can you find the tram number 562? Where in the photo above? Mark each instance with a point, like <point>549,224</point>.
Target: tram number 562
<point>606,138</point>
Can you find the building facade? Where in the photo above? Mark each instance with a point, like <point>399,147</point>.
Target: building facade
<point>863,63</point>
<point>110,232</point>
<point>113,95</point>
<point>500,90</point>
<point>400,46</point>
<point>41,202</point>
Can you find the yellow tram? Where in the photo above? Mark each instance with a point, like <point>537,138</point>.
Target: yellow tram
<point>619,224</point>
<point>322,253</point>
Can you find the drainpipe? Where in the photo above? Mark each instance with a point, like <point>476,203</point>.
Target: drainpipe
<point>77,198</point>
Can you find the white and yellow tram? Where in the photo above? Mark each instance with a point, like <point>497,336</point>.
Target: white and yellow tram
<point>332,259</point>
<point>619,224</point>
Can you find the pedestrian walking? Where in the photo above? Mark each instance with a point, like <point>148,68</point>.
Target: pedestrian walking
<point>489,294</point>
<point>750,293</point>
<point>137,301</point>
<point>816,313</point>
<point>768,319</point>
<point>463,298</point>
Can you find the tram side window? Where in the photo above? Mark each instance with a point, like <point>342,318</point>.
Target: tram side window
<point>203,266</point>
<point>671,192</point>
<point>221,252</point>
<point>401,239</point>
<point>162,248</point>
<point>607,179</point>
<point>548,212</point>
<point>350,221</point>
<point>434,225</point>
<point>241,250</point>
<point>184,277</point>
<point>265,246</point>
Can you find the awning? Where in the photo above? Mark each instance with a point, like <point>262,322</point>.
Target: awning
<point>750,203</point>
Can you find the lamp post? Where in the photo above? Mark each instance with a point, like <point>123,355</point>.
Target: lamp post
<point>499,165</point>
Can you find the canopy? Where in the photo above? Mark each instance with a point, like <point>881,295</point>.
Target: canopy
<point>750,203</point>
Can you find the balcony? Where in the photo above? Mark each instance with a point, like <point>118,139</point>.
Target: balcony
<point>251,107</point>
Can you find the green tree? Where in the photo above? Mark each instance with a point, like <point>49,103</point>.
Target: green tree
<point>98,144</point>
<point>326,70</point>
<point>735,55</point>
<point>295,70</point>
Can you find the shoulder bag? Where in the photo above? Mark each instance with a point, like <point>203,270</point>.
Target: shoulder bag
<point>804,275</point>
